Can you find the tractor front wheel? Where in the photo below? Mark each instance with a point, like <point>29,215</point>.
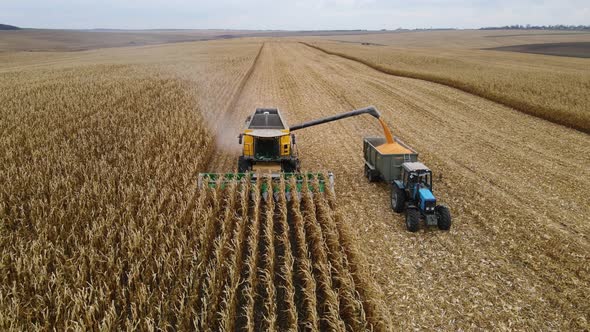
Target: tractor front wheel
<point>398,199</point>
<point>413,220</point>
<point>444,217</point>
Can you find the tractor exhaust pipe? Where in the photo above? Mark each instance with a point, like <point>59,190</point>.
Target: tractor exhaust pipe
<point>371,110</point>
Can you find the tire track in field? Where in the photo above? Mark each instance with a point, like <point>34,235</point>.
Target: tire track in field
<point>220,161</point>
<point>238,93</point>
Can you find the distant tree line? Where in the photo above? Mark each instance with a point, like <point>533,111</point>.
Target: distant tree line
<point>539,27</point>
<point>8,27</point>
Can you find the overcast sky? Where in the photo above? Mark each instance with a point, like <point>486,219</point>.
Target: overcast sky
<point>290,15</point>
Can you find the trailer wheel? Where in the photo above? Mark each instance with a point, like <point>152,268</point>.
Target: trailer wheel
<point>398,199</point>
<point>366,171</point>
<point>412,220</point>
<point>373,176</point>
<point>444,217</point>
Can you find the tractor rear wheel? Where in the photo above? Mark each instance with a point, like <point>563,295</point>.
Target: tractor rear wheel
<point>398,199</point>
<point>444,217</point>
<point>412,220</point>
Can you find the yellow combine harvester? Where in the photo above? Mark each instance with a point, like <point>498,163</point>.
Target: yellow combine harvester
<point>269,149</point>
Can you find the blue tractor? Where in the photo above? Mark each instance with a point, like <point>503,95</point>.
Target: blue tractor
<point>413,194</point>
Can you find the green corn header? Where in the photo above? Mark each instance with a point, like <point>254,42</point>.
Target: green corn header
<point>325,182</point>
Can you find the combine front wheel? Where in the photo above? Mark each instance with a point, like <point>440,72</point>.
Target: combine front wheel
<point>243,165</point>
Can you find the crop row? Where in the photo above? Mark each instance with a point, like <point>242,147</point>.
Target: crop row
<point>298,268</point>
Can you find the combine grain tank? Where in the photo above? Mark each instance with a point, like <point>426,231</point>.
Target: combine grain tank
<point>384,161</point>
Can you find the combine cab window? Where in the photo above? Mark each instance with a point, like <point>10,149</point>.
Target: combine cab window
<point>266,148</point>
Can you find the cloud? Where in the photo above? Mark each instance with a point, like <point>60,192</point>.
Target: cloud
<point>290,15</point>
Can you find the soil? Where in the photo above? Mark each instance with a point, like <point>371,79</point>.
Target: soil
<point>576,50</point>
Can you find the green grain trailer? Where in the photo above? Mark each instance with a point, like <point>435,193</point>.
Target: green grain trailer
<point>385,167</point>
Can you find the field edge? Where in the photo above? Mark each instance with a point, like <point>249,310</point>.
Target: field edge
<point>552,115</point>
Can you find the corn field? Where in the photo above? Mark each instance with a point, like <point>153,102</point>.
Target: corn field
<point>103,226</point>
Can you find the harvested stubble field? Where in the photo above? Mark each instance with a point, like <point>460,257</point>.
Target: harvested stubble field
<point>517,256</point>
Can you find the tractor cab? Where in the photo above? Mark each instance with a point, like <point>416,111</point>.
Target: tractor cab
<point>417,179</point>
<point>416,173</point>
